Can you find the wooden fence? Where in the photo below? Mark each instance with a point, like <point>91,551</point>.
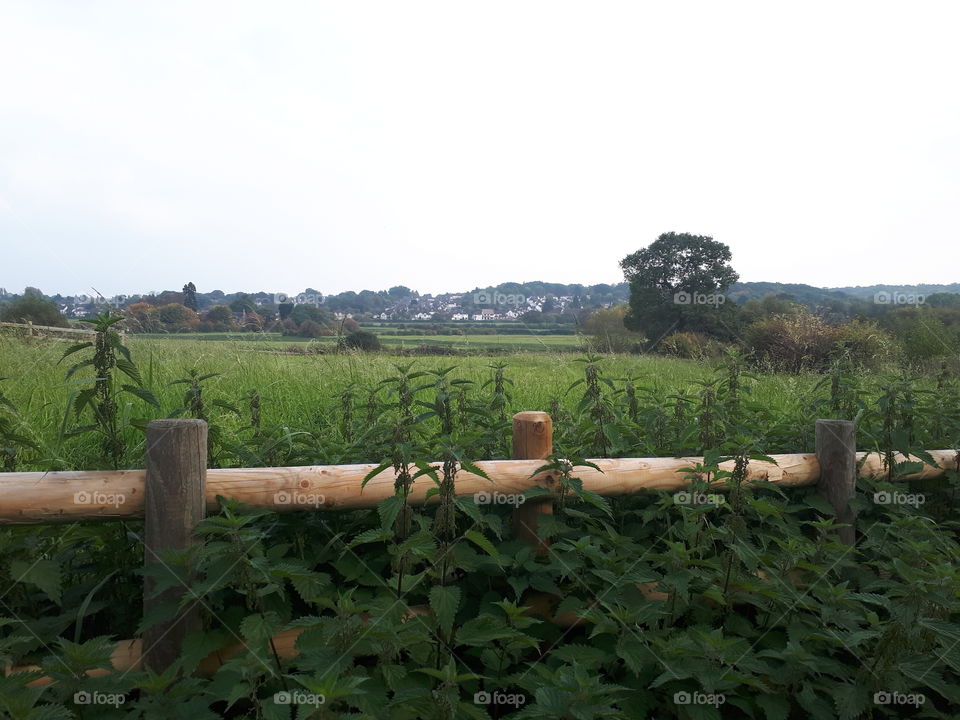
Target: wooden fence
<point>176,490</point>
<point>31,330</point>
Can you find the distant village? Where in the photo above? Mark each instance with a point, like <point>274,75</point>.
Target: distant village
<point>456,308</point>
<point>395,305</point>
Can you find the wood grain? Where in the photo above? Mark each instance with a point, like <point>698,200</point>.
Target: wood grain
<point>36,497</point>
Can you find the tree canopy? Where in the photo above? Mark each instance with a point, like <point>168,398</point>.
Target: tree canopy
<point>33,307</point>
<point>676,284</point>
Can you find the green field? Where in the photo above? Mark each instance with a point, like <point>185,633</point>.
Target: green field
<point>294,387</point>
<point>758,606</point>
<point>467,342</point>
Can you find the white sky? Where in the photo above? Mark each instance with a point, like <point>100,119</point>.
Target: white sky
<point>349,145</point>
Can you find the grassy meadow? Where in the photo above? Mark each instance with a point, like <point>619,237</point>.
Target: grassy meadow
<point>295,388</point>
<point>474,342</point>
<point>740,581</point>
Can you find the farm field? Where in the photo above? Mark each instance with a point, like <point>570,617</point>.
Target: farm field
<point>648,605</point>
<point>295,386</point>
<point>472,342</point>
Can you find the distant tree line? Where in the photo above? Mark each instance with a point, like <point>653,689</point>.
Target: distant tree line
<point>680,304</point>
<point>682,297</point>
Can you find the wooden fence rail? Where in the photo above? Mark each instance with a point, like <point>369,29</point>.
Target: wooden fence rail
<point>176,489</point>
<point>50,497</point>
<point>30,329</point>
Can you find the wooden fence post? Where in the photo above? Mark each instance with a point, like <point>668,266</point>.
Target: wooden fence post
<point>836,442</point>
<point>174,502</point>
<point>532,440</point>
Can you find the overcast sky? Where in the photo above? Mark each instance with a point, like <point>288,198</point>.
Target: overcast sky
<point>350,145</point>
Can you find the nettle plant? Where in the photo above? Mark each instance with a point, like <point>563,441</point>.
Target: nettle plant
<point>196,405</point>
<point>15,434</point>
<point>730,597</point>
<point>103,398</point>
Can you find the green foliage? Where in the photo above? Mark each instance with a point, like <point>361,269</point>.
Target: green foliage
<point>14,434</point>
<point>922,332</point>
<point>690,346</point>
<point>423,609</point>
<point>362,340</point>
<point>609,334</point>
<point>674,268</point>
<point>103,398</point>
<point>791,343</point>
<point>33,307</point>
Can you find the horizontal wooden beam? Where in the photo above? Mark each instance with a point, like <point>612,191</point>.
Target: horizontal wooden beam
<point>38,497</point>
<point>48,328</point>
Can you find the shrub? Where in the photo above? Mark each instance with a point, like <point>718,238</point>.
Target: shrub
<point>252,322</point>
<point>175,317</point>
<point>311,329</point>
<point>362,340</point>
<point>312,312</point>
<point>865,344</point>
<point>220,318</point>
<point>691,346</point>
<point>35,308</point>
<point>142,317</point>
<point>921,333</point>
<point>792,343</point>
<point>608,333</point>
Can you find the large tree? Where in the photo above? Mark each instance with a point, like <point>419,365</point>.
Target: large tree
<point>677,285</point>
<point>177,318</point>
<point>190,296</point>
<point>220,318</point>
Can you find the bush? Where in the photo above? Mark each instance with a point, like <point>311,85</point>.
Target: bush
<point>311,329</point>
<point>175,317</point>
<point>362,340</point>
<point>792,343</point>
<point>922,334</point>
<point>865,344</point>
<point>36,309</point>
<point>608,333</point>
<point>691,346</point>
<point>219,318</point>
<point>141,317</point>
<point>252,322</point>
